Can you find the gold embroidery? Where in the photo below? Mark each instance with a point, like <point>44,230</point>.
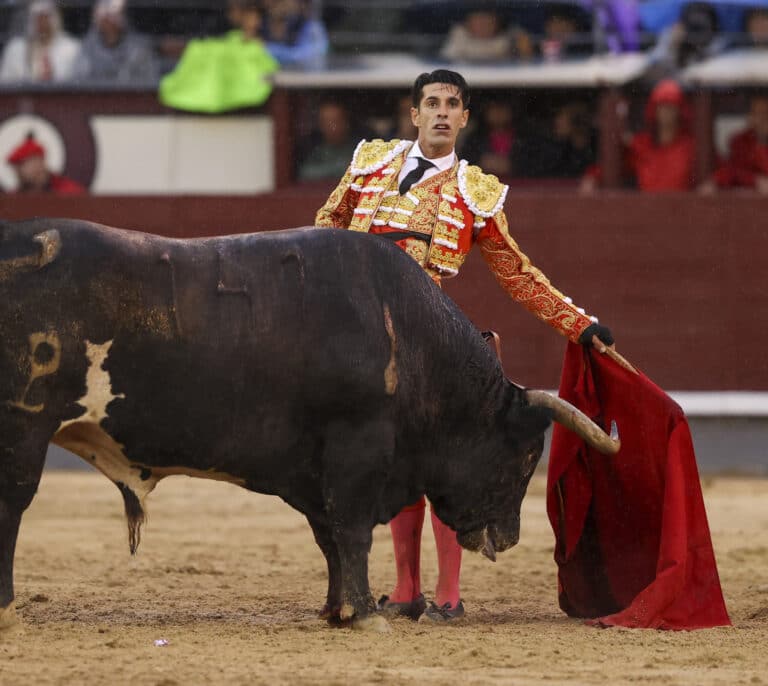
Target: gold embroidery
<point>451,187</point>
<point>447,210</point>
<point>360,222</point>
<point>369,201</point>
<point>483,191</point>
<point>526,284</point>
<point>375,186</point>
<point>372,154</point>
<point>381,217</point>
<point>446,232</point>
<point>417,249</point>
<point>337,211</point>
<point>445,262</point>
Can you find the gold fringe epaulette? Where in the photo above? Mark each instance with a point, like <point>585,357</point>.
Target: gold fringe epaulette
<point>483,193</point>
<point>370,156</point>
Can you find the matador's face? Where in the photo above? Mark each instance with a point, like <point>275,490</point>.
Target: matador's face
<point>439,118</point>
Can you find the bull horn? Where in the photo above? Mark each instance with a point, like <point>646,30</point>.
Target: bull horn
<point>574,419</point>
<point>50,244</point>
<point>488,549</point>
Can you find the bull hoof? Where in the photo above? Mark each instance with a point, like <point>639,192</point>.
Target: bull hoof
<point>346,612</point>
<point>8,618</point>
<point>330,613</point>
<point>372,624</point>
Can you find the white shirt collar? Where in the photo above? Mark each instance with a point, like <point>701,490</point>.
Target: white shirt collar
<point>442,163</point>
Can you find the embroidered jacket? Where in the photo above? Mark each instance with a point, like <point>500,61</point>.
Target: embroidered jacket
<point>439,220</point>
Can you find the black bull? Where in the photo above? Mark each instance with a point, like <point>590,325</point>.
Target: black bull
<point>320,366</point>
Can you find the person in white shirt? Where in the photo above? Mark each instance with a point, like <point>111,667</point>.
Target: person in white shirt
<point>46,53</point>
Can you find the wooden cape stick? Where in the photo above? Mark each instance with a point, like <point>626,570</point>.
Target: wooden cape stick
<point>620,360</point>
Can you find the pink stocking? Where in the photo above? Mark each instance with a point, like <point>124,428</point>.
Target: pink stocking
<point>448,563</point>
<point>406,536</point>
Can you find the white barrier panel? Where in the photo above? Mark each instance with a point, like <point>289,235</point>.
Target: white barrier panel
<point>183,154</point>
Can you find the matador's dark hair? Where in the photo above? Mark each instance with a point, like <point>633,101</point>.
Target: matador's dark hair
<point>440,76</point>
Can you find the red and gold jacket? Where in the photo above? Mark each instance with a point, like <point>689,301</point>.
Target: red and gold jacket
<point>439,220</point>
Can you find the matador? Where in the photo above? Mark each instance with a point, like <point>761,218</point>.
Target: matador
<point>436,207</point>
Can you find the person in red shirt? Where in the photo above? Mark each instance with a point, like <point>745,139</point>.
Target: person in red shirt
<point>662,156</point>
<point>33,174</point>
<point>747,162</point>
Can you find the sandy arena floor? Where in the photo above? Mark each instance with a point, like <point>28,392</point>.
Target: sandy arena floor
<point>232,580</point>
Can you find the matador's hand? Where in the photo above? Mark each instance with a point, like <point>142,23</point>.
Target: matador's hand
<point>599,337</point>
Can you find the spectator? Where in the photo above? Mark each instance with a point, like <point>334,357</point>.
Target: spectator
<point>404,128</point>
<point>33,174</point>
<point>565,33</point>
<point>747,162</point>
<point>693,38</point>
<point>295,37</point>
<point>567,150</point>
<point>223,73</point>
<point>247,18</point>
<point>398,125</point>
<point>329,148</point>
<point>491,145</point>
<point>756,27</point>
<point>112,51</point>
<point>662,156</point>
<point>616,24</point>
<point>45,53</point>
<point>481,37</point>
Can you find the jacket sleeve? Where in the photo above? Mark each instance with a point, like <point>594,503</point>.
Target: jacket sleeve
<point>340,206</point>
<point>526,284</point>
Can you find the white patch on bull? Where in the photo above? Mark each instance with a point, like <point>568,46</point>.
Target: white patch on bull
<point>390,373</point>
<point>85,437</point>
<point>98,386</point>
<point>88,440</point>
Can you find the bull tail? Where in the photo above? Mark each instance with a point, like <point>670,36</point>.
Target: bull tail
<point>135,516</point>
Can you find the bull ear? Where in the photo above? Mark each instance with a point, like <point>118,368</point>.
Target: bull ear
<point>524,421</point>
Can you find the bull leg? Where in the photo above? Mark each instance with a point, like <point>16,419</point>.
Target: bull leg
<point>10,519</point>
<point>20,471</point>
<point>332,609</point>
<point>354,546</point>
<point>354,457</point>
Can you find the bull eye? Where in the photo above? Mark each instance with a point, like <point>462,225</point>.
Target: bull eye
<point>44,353</point>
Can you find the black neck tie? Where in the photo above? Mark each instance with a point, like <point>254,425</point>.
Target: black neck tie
<point>415,175</point>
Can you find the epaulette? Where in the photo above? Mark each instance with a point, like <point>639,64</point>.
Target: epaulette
<point>483,193</point>
<point>370,156</point>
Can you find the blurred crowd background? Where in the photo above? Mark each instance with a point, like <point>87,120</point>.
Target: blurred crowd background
<point>214,57</point>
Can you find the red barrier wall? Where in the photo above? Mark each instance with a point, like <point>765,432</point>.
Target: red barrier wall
<point>681,279</point>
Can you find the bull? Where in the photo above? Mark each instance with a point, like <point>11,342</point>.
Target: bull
<point>320,366</point>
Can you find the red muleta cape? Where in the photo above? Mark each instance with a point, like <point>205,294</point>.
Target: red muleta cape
<point>633,546</point>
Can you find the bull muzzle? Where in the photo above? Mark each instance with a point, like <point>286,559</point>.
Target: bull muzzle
<point>575,420</point>
<point>486,541</point>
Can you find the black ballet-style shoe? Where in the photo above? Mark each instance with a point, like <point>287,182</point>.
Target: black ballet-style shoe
<point>413,610</point>
<point>443,613</point>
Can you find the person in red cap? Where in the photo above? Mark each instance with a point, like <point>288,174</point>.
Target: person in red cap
<point>662,156</point>
<point>33,174</point>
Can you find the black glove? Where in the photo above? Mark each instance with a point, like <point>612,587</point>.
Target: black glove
<point>602,332</point>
